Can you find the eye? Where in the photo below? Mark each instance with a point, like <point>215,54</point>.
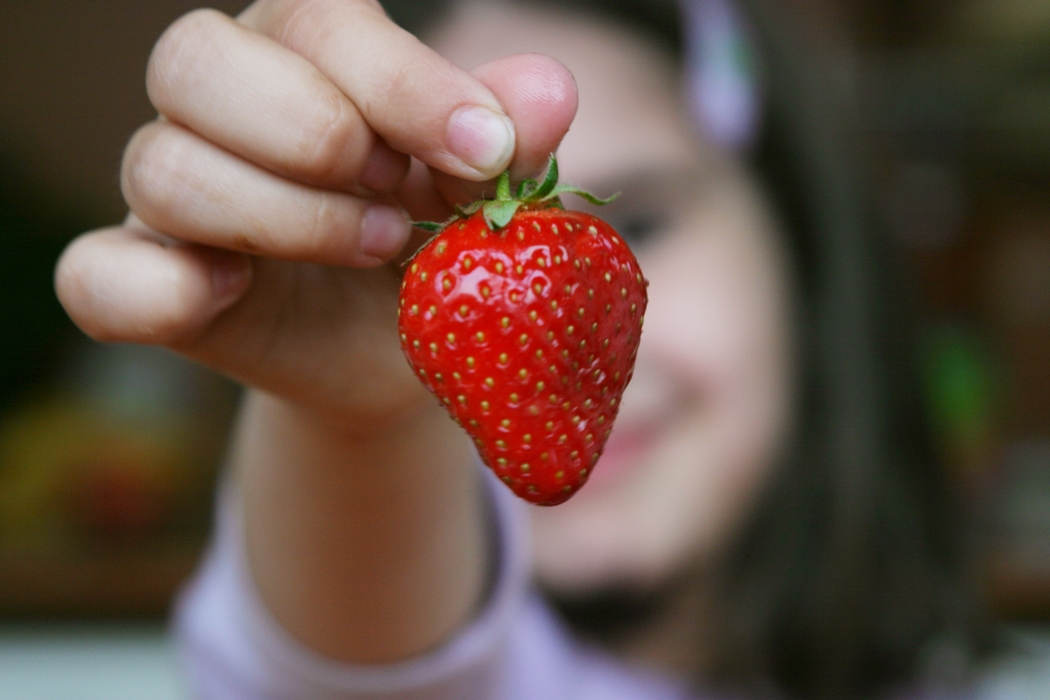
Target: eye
<point>639,228</point>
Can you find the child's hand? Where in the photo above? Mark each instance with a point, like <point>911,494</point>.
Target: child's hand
<point>280,161</point>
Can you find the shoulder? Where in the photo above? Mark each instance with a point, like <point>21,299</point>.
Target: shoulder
<point>550,663</point>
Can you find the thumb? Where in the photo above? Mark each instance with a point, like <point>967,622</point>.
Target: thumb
<point>539,95</point>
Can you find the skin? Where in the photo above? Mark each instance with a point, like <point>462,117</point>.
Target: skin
<point>293,144</point>
<point>249,248</point>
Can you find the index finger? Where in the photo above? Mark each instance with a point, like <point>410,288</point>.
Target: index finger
<point>417,101</point>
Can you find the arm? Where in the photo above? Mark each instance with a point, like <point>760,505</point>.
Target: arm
<point>370,547</point>
<point>266,202</point>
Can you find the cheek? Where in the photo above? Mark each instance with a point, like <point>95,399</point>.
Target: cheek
<point>717,314</point>
<point>717,330</point>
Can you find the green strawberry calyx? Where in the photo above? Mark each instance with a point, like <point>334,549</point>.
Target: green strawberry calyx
<point>499,211</point>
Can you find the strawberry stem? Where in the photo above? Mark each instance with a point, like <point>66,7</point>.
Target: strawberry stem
<point>499,211</point>
<point>503,187</point>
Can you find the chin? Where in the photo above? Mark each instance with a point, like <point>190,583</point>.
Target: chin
<point>642,523</point>
<point>596,541</point>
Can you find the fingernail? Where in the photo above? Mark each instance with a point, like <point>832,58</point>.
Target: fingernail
<point>385,169</point>
<point>384,231</point>
<point>230,275</point>
<point>481,138</point>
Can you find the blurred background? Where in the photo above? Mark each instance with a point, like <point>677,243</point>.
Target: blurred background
<point>108,454</point>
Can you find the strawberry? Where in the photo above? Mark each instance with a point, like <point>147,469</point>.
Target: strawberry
<point>524,319</point>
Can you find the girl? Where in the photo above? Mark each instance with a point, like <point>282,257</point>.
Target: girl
<point>766,518</point>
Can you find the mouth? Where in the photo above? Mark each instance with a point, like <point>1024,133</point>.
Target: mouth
<point>625,453</point>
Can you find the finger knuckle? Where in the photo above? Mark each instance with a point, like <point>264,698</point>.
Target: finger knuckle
<point>183,46</point>
<point>303,23</point>
<point>331,224</point>
<point>331,138</point>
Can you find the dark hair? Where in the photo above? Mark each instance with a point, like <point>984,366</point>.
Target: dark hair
<point>853,566</point>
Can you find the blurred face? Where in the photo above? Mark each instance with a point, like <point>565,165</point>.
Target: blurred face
<point>701,421</point>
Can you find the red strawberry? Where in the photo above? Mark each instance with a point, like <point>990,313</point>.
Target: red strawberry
<point>524,319</point>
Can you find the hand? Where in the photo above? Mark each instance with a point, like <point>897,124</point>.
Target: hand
<point>293,144</point>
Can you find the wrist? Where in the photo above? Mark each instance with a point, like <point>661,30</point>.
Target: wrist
<point>383,535</point>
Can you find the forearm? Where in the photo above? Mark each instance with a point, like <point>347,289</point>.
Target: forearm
<point>365,548</point>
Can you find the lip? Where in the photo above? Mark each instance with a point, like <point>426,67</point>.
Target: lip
<point>624,454</point>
